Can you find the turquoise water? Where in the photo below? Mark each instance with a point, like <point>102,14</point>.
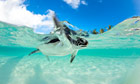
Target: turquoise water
<point>109,58</point>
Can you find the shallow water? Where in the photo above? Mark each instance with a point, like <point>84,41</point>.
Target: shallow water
<point>109,58</point>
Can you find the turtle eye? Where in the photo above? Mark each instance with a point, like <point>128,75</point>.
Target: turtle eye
<point>81,40</point>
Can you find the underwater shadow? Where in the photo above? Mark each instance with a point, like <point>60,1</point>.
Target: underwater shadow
<point>7,69</point>
<point>36,79</point>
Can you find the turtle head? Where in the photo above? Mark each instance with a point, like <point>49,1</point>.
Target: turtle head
<point>81,42</point>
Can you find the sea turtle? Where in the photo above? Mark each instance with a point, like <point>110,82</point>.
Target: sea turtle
<point>63,41</point>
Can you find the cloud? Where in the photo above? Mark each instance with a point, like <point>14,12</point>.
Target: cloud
<point>75,3</point>
<point>15,12</point>
<point>84,3</point>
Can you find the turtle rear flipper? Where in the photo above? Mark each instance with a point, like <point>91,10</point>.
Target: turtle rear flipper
<point>35,51</point>
<point>47,57</point>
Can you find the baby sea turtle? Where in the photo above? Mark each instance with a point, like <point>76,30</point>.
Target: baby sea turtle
<point>63,41</point>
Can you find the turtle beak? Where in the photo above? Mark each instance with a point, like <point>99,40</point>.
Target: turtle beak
<point>84,46</point>
<point>85,43</point>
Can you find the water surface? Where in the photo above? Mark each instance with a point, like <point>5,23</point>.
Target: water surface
<point>108,59</point>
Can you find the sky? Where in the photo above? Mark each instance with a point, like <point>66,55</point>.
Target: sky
<point>84,14</point>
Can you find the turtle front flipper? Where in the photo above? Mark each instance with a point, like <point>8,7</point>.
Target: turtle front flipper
<point>59,31</point>
<point>73,55</point>
<point>56,22</point>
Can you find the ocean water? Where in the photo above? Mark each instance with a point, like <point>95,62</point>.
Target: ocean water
<point>110,58</point>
